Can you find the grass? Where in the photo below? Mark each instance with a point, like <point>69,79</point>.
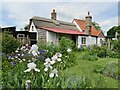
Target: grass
<point>86,68</point>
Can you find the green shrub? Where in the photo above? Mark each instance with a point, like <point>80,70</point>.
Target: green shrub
<point>98,69</point>
<point>112,54</point>
<point>87,56</point>
<point>66,43</point>
<point>99,51</point>
<point>116,47</point>
<point>110,69</point>
<point>9,43</point>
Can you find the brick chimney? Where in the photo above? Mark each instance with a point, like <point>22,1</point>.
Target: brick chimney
<point>53,15</point>
<point>88,20</point>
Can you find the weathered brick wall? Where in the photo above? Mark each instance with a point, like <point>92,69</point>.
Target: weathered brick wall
<point>41,36</point>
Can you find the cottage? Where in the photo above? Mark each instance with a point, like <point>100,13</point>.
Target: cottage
<point>82,32</point>
<point>51,30</point>
<point>93,36</point>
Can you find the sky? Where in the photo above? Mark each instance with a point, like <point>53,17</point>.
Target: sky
<point>18,13</point>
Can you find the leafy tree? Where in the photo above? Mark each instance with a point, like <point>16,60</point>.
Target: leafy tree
<point>97,26</point>
<point>26,27</point>
<point>116,47</point>
<point>9,43</point>
<point>112,31</point>
<point>66,43</point>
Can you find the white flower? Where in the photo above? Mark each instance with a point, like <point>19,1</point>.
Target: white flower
<point>20,61</point>
<point>29,60</point>
<point>69,50</point>
<point>28,81</point>
<point>46,69</point>
<point>54,58</point>
<point>23,47</point>
<point>22,54</point>
<point>23,59</point>
<point>34,53</point>
<point>34,50</point>
<point>53,73</point>
<point>12,58</point>
<point>48,61</point>
<point>48,64</point>
<point>58,54</point>
<point>16,56</point>
<point>31,66</point>
<point>16,51</point>
<point>59,59</point>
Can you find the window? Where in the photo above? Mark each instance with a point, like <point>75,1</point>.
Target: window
<point>32,28</point>
<point>21,35</point>
<point>83,40</point>
<point>21,38</point>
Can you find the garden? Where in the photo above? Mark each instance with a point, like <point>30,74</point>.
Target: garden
<point>63,66</point>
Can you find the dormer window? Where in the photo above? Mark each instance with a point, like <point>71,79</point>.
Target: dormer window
<point>32,28</point>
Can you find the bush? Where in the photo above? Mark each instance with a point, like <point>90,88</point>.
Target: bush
<point>110,69</point>
<point>116,47</point>
<point>66,43</point>
<point>112,54</point>
<point>99,51</point>
<point>9,43</point>
<point>87,56</point>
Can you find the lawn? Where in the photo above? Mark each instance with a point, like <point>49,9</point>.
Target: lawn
<point>86,68</point>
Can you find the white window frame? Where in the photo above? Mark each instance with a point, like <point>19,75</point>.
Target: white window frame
<point>83,40</point>
<point>19,36</point>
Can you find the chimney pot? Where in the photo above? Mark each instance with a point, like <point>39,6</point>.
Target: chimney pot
<point>53,15</point>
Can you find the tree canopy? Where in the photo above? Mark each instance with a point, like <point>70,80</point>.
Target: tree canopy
<point>97,26</point>
<point>113,30</point>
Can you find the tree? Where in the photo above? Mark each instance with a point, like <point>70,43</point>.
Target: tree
<point>97,26</point>
<point>26,27</point>
<point>113,30</point>
<point>9,43</point>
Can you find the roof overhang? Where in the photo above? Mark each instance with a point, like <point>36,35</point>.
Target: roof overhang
<point>64,31</point>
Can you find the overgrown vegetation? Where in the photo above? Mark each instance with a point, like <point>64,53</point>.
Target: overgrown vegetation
<point>89,67</point>
<point>9,43</point>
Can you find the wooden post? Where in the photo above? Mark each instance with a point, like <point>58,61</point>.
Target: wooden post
<point>27,84</point>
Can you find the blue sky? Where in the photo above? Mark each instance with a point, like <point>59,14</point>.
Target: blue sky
<point>19,13</point>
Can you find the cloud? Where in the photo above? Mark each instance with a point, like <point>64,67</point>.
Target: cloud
<point>107,24</point>
<point>61,1</point>
<point>20,13</point>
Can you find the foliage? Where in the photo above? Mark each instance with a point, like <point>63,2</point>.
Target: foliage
<point>111,69</point>
<point>87,56</point>
<point>65,44</point>
<point>9,43</point>
<point>99,51</point>
<point>112,54</point>
<point>15,64</point>
<point>111,31</point>
<point>96,26</point>
<point>116,47</point>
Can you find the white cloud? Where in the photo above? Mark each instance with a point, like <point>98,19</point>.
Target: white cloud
<point>60,0</point>
<point>107,24</point>
<point>22,12</point>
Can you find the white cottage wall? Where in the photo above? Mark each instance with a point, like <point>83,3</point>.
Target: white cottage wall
<point>51,37</point>
<point>99,41</point>
<point>89,40</point>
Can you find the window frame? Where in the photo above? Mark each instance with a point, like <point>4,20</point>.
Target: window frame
<point>83,40</point>
<point>23,36</point>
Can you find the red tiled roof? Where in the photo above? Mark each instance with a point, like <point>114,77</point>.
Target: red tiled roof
<point>82,25</point>
<point>65,31</point>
